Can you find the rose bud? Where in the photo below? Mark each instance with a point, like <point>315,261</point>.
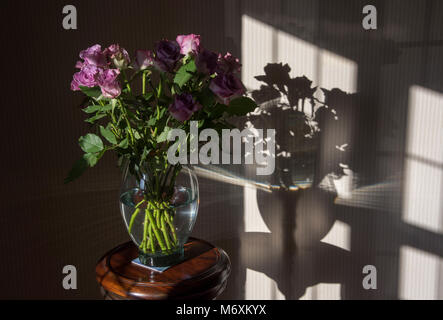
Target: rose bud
<point>143,59</point>
<point>119,56</point>
<point>189,43</point>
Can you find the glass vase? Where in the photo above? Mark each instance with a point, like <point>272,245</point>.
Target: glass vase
<point>159,207</point>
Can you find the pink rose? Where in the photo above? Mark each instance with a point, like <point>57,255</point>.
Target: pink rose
<point>143,59</point>
<point>86,77</point>
<point>167,54</point>
<point>227,86</point>
<point>206,61</point>
<point>109,84</point>
<point>189,43</point>
<point>183,107</point>
<point>94,55</point>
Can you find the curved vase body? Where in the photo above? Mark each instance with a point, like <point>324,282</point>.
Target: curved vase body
<point>160,222</point>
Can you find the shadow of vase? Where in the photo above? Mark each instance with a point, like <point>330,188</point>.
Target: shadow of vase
<point>297,212</point>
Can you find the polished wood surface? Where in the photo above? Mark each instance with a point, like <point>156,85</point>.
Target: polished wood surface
<point>202,274</point>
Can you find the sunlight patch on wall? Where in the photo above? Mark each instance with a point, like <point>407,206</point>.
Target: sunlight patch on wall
<point>419,275</point>
<point>424,160</point>
<point>261,287</point>
<point>299,54</point>
<point>339,236</point>
<point>256,49</point>
<point>252,218</point>
<point>323,291</point>
<point>337,72</point>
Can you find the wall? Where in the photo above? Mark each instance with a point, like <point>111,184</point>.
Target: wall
<point>310,244</point>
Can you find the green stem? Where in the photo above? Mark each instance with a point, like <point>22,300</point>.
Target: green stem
<point>157,218</point>
<point>145,232</point>
<point>165,178</point>
<point>144,83</point>
<point>151,238</point>
<point>126,81</point>
<point>171,226</point>
<point>155,230</point>
<point>165,233</point>
<point>125,115</point>
<point>134,215</point>
<point>140,203</point>
<point>173,178</point>
<point>114,130</point>
<point>129,128</point>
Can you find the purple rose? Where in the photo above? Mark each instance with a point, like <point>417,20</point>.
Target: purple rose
<point>167,55</point>
<point>227,86</point>
<point>109,84</point>
<point>188,43</point>
<point>118,55</point>
<point>86,77</point>
<point>143,59</point>
<point>94,55</point>
<point>206,61</point>
<point>183,107</point>
<point>228,64</point>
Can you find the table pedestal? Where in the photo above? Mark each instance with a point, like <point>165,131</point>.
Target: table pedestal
<point>201,275</point>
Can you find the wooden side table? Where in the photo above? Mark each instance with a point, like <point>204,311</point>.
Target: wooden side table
<point>202,275</point>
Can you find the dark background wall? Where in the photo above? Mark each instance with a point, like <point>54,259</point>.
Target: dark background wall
<point>45,225</point>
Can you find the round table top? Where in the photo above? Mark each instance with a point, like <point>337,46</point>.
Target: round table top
<point>201,275</point>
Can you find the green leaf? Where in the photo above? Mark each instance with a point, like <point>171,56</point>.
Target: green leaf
<point>136,135</point>
<point>241,106</point>
<point>206,97</point>
<point>217,111</point>
<point>149,96</point>
<point>93,92</point>
<point>130,114</point>
<point>124,143</point>
<point>91,158</point>
<point>106,107</point>
<point>164,135</point>
<point>152,121</point>
<point>91,143</point>
<point>95,118</point>
<point>184,73</point>
<point>144,155</point>
<point>91,109</point>
<point>108,135</point>
<point>160,86</point>
<point>97,107</point>
<point>77,170</point>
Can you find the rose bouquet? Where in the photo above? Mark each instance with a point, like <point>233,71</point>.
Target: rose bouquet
<point>178,82</point>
